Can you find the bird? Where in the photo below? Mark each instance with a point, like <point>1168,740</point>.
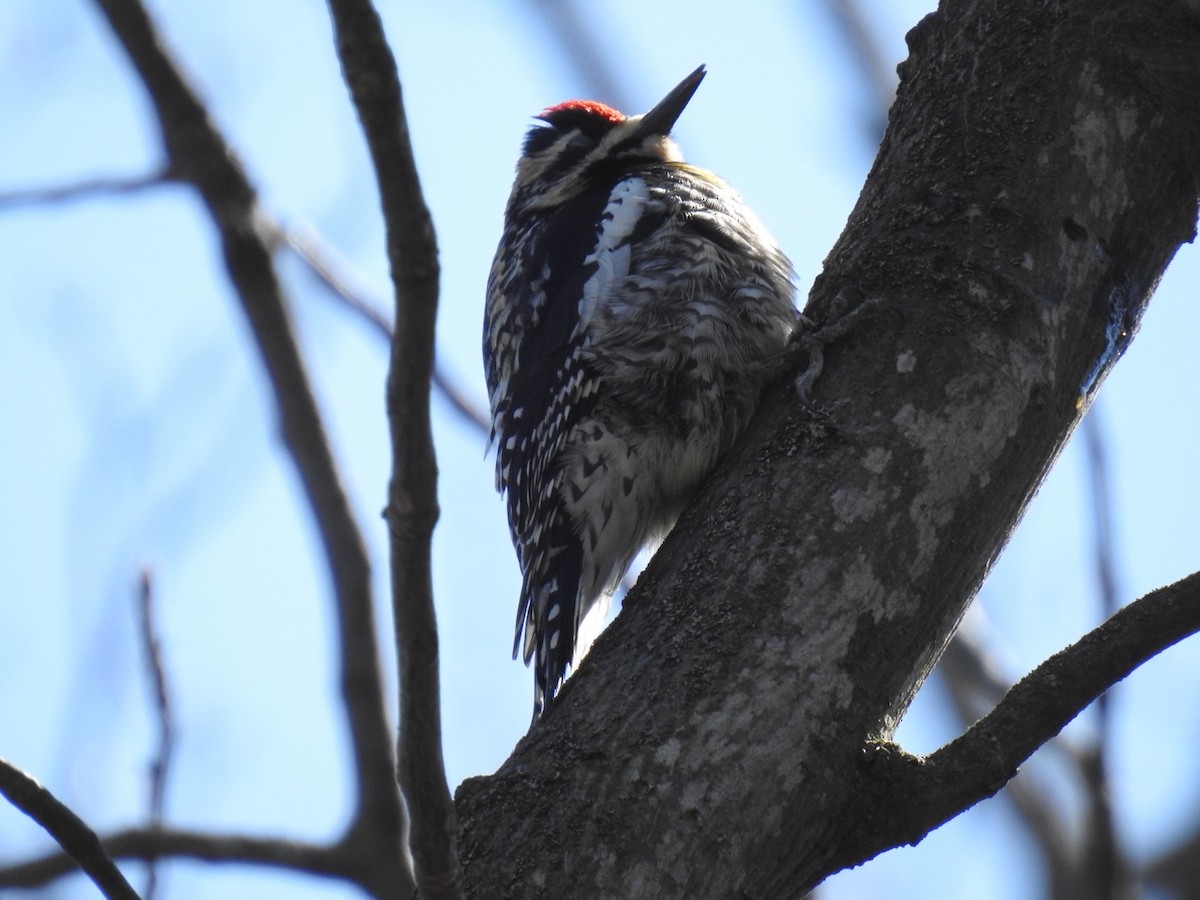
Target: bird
<point>633,306</point>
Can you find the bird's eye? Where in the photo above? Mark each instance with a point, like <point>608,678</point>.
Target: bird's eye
<point>580,141</point>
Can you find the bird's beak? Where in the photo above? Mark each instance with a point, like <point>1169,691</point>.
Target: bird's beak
<point>661,119</point>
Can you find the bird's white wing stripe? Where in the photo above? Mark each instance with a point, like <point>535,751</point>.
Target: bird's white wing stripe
<point>612,253</point>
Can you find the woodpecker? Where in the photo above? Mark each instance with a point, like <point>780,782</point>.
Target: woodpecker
<point>632,307</point>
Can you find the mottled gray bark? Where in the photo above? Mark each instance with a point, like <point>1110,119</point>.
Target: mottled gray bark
<point>722,739</point>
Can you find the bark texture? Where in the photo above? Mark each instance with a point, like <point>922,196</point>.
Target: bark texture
<point>1038,173</point>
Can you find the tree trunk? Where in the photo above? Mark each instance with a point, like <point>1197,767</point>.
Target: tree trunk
<point>1038,173</point>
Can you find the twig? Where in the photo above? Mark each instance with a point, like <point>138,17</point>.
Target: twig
<point>919,795</point>
<point>160,766</point>
<point>148,844</point>
<point>369,70</point>
<point>1104,548</point>
<point>199,154</point>
<point>975,685</point>
<point>1050,833</point>
<point>84,190</point>
<point>591,58</point>
<point>1103,856</point>
<point>1042,703</point>
<point>306,244</point>
<point>867,54</point>
<point>330,271</point>
<point>1177,873</point>
<point>80,842</point>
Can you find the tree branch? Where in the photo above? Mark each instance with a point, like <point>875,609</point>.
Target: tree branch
<point>584,50</point>
<point>320,259</point>
<point>80,842</point>
<point>1041,704</point>
<point>1177,873</point>
<point>975,687</point>
<point>871,63</point>
<point>1104,860</point>
<point>715,731</point>
<point>160,767</point>
<point>199,155</point>
<point>369,71</point>
<point>87,189</point>
<point>307,245</point>
<point>340,861</point>
<point>917,795</point>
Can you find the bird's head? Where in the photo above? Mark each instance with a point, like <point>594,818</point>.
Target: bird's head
<point>581,141</point>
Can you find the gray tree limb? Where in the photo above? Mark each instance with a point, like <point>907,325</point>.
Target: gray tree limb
<point>1038,173</point>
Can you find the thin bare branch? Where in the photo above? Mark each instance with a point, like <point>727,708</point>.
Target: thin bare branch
<point>1103,858</point>
<point>867,54</point>
<point>1050,834</point>
<point>307,244</point>
<point>199,154</point>
<point>82,846</point>
<point>1104,551</point>
<point>337,861</point>
<point>1177,873</point>
<point>88,189</point>
<point>330,270</point>
<point>918,795</point>
<point>328,267</point>
<point>369,70</point>
<point>1042,703</point>
<point>975,685</point>
<point>160,766</point>
<point>974,680</point>
<point>591,58</point>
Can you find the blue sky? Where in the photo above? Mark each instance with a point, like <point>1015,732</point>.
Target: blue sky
<point>138,431</point>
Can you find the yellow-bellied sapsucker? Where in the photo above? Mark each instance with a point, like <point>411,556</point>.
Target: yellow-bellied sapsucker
<point>632,305</point>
